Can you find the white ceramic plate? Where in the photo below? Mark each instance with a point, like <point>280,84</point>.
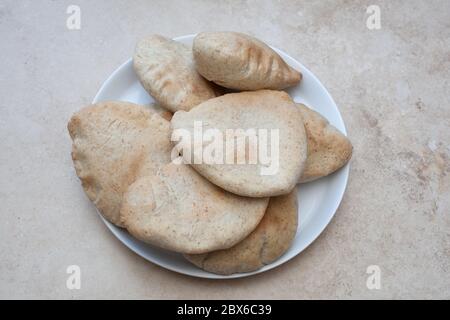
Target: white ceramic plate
<point>318,200</point>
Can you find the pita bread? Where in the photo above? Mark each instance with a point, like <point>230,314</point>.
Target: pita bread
<point>238,61</point>
<point>265,244</point>
<point>166,70</point>
<point>179,210</point>
<point>273,112</point>
<point>328,148</point>
<point>113,143</point>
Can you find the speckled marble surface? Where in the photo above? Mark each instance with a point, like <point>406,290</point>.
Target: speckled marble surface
<point>392,87</point>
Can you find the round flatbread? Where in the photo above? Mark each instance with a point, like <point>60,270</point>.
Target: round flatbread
<point>265,244</point>
<point>166,70</point>
<point>239,61</point>
<point>328,149</point>
<point>266,123</point>
<point>113,143</point>
<point>179,210</point>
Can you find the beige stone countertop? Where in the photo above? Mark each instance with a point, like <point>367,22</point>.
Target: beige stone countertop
<point>391,85</point>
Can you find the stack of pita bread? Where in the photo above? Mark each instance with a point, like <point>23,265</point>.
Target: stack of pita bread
<point>224,218</point>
